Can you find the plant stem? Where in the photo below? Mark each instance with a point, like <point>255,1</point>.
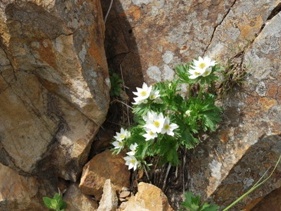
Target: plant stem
<point>257,185</point>
<point>166,176</point>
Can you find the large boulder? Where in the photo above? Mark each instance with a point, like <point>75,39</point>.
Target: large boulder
<point>54,84</point>
<point>18,192</point>
<point>155,36</point>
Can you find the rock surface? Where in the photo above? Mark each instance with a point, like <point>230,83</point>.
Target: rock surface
<point>148,198</point>
<point>77,201</point>
<point>158,35</point>
<point>54,84</point>
<point>270,202</point>
<point>109,200</point>
<point>100,168</point>
<point>17,192</point>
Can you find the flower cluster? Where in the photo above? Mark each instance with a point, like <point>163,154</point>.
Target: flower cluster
<point>157,123</point>
<point>165,120</point>
<point>120,138</point>
<point>130,159</point>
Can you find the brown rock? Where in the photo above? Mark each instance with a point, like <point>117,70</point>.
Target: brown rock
<point>18,192</point>
<point>54,84</point>
<point>148,198</point>
<point>270,202</point>
<point>100,168</point>
<point>157,35</point>
<point>77,201</point>
<point>109,200</point>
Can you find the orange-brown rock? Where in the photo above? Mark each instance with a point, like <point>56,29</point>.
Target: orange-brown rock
<point>101,167</point>
<point>18,192</point>
<point>54,84</point>
<point>148,198</point>
<point>270,202</point>
<point>157,35</point>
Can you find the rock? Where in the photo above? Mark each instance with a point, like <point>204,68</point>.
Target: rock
<point>124,194</point>
<point>232,36</point>
<point>54,84</point>
<point>18,192</point>
<point>77,201</point>
<point>148,197</point>
<point>109,200</point>
<point>155,36</point>
<point>252,124</point>
<point>270,202</point>
<point>100,168</point>
<point>186,28</point>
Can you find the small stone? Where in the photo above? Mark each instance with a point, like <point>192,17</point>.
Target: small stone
<point>124,194</point>
<point>109,200</point>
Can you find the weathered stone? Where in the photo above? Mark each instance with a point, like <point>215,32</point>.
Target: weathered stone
<point>160,34</point>
<point>252,124</point>
<point>148,197</point>
<point>100,168</point>
<point>18,192</point>
<point>270,202</point>
<point>157,35</point>
<point>54,84</point>
<point>109,200</point>
<point>77,201</point>
<point>240,27</point>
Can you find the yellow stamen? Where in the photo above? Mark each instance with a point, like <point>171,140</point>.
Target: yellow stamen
<point>143,93</point>
<point>202,65</point>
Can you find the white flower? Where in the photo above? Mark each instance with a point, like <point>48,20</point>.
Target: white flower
<point>154,94</point>
<point>142,93</point>
<point>133,148</point>
<point>169,128</point>
<point>131,162</point>
<point>201,67</point>
<point>149,135</point>
<point>154,122</point>
<point>122,135</point>
<point>118,145</point>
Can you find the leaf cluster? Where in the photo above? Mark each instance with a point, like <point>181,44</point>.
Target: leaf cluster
<point>116,84</point>
<point>56,203</point>
<point>194,111</point>
<point>193,203</point>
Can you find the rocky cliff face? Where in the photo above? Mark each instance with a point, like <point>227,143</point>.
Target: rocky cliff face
<point>54,91</point>
<point>54,85</point>
<point>243,33</point>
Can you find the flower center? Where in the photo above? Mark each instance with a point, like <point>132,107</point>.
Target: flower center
<point>202,65</point>
<point>156,123</point>
<point>167,127</point>
<point>143,93</point>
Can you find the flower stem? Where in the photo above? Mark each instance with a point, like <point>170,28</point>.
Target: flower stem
<point>255,186</point>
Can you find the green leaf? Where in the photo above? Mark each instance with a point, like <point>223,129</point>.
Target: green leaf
<point>191,202</point>
<point>116,84</point>
<point>209,207</point>
<point>55,203</point>
<point>187,139</point>
<point>47,201</point>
